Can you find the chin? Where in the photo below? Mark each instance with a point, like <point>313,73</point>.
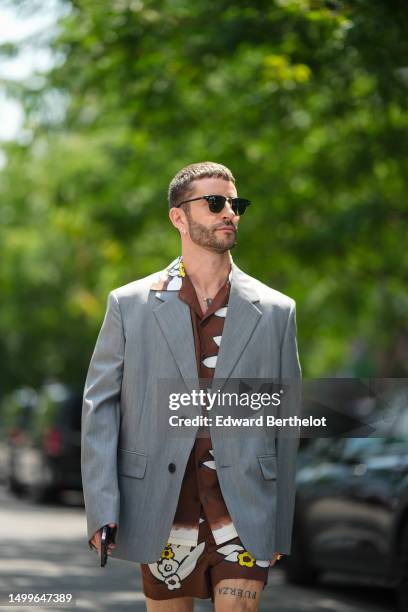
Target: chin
<point>224,249</point>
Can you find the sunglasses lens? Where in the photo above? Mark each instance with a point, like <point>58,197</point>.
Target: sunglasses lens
<point>216,203</point>
<point>239,205</point>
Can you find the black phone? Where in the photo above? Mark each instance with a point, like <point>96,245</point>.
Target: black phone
<point>107,537</point>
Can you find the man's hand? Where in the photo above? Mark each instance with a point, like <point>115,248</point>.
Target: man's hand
<point>276,558</point>
<point>96,540</point>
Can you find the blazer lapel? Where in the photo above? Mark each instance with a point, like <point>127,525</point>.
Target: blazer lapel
<point>173,317</point>
<point>241,320</point>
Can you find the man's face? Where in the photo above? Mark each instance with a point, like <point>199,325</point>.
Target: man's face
<point>213,231</point>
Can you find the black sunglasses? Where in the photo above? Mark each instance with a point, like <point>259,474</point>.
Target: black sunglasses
<point>217,202</point>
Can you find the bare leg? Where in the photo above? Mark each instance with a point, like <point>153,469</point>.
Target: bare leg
<point>237,595</point>
<point>178,604</point>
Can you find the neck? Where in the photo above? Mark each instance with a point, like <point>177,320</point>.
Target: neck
<point>207,270</point>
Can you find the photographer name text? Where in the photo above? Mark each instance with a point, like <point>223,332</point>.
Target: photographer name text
<point>259,421</point>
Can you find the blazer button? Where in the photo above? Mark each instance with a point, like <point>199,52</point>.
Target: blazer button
<point>172,467</point>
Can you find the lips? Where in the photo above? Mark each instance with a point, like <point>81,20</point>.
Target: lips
<point>227,228</point>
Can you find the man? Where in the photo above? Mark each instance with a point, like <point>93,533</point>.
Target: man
<point>205,513</point>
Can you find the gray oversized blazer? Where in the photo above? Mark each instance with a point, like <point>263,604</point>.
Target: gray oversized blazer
<point>147,336</point>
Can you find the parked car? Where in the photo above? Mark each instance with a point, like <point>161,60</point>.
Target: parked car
<point>44,438</point>
<point>352,508</point>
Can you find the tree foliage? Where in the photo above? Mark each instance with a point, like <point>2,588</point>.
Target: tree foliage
<point>304,100</point>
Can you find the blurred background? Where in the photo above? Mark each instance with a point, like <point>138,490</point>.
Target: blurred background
<point>101,103</point>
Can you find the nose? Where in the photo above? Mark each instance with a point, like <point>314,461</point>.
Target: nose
<point>227,211</point>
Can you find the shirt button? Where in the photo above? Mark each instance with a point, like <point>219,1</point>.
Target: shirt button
<point>172,467</point>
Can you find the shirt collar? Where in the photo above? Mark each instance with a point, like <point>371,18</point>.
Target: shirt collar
<point>170,279</point>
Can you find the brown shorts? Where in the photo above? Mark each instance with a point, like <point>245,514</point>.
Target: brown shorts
<point>193,571</point>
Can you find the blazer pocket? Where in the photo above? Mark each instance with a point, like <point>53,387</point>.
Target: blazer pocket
<point>268,466</point>
<point>131,463</point>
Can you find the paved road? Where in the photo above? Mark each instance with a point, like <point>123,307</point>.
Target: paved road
<point>43,549</point>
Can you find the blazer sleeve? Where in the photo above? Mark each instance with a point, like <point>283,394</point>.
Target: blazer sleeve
<point>288,437</point>
<point>101,421</point>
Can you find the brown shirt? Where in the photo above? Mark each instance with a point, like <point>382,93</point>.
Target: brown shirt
<point>200,496</point>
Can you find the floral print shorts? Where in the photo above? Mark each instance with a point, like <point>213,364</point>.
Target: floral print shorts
<point>193,571</point>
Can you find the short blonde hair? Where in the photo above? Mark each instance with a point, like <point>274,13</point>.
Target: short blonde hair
<point>180,187</point>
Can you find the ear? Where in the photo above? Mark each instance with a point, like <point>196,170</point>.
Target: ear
<point>177,217</point>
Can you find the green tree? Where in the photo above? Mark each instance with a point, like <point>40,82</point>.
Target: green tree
<point>305,100</point>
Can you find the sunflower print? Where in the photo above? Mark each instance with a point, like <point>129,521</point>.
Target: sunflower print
<point>238,554</point>
<point>172,569</point>
<point>167,552</point>
<point>245,558</point>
